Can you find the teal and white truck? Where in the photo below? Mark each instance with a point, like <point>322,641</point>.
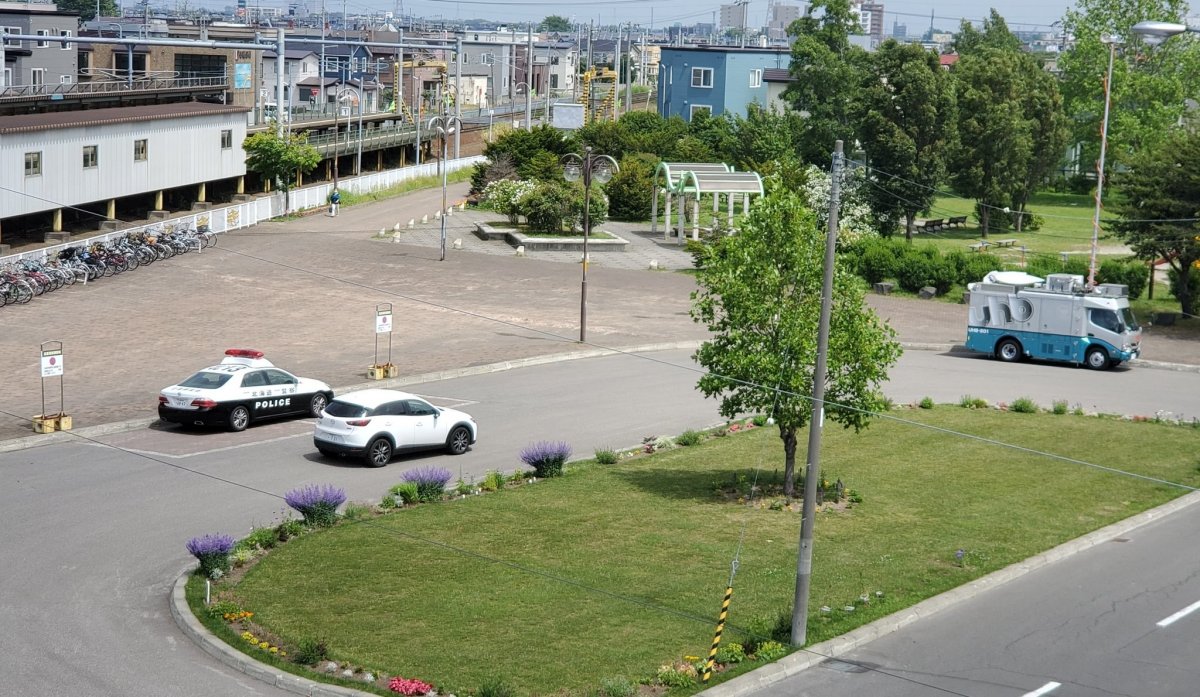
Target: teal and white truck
<point>1013,315</point>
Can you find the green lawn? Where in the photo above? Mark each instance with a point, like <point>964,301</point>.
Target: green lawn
<point>614,571</point>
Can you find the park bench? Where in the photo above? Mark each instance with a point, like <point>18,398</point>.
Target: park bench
<point>980,246</point>
<point>957,221</point>
<point>934,224</point>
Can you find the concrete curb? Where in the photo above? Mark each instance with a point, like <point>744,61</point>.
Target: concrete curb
<point>800,661</point>
<point>226,654</point>
<point>35,441</point>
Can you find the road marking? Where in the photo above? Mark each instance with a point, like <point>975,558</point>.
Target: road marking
<point>1180,615</point>
<point>1043,690</point>
<point>155,453</point>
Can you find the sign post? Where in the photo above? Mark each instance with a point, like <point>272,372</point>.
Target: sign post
<point>383,325</point>
<point>52,367</point>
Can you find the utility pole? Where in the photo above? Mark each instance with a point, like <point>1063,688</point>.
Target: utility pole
<point>617,70</point>
<point>529,82</point>
<point>812,472</point>
<point>629,74</point>
<point>321,72</point>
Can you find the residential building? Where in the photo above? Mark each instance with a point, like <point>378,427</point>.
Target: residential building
<point>777,80</point>
<point>716,79</point>
<point>38,64</point>
<point>733,16</point>
<point>779,17</point>
<point>870,15</point>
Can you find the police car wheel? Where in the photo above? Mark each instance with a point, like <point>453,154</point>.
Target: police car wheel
<point>317,405</point>
<point>379,452</point>
<point>459,440</point>
<point>239,418</point>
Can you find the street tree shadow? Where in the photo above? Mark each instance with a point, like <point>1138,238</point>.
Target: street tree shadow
<point>706,486</point>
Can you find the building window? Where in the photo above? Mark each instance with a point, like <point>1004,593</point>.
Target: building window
<point>553,60</point>
<point>42,43</point>
<point>139,150</point>
<point>37,77</point>
<point>553,81</point>
<point>33,164</point>
<point>66,46</point>
<point>756,77</point>
<point>226,139</point>
<point>11,43</point>
<point>91,156</point>
<point>487,58</point>
<point>702,77</point>
<point>698,108</point>
<point>66,79</point>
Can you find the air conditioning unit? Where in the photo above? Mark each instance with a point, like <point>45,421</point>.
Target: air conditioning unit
<point>1113,290</point>
<point>1063,282</point>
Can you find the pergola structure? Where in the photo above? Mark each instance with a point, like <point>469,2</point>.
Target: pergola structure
<point>684,180</point>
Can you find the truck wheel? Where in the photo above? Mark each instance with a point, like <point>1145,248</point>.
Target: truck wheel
<point>1097,359</point>
<point>1009,350</point>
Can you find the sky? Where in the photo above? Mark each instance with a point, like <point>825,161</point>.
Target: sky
<point>1020,14</point>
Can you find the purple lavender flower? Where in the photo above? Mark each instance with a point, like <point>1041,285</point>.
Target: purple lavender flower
<point>212,551</point>
<point>546,458</point>
<point>318,504</point>
<point>430,480</point>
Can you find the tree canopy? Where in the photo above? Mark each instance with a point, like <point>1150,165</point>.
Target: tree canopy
<point>1159,202</point>
<point>555,23</point>
<point>758,296</point>
<point>87,8</point>
<point>280,158</point>
<point>907,130</point>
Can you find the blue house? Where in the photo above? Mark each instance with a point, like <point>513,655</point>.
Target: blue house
<point>716,79</point>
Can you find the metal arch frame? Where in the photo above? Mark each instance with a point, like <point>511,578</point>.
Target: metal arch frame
<point>445,124</point>
<point>586,163</point>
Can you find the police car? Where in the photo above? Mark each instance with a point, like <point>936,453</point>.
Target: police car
<point>243,388</point>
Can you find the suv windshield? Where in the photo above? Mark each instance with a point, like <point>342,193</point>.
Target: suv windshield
<point>346,410</point>
<point>205,380</point>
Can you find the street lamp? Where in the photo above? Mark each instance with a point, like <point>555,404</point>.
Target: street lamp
<point>342,95</point>
<point>600,167</point>
<point>1112,42</point>
<point>444,125</point>
<point>1154,33</point>
<point>528,109</point>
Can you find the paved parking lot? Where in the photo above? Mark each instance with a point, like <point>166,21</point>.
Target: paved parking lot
<point>305,291</point>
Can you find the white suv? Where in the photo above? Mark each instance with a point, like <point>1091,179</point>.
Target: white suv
<point>375,424</point>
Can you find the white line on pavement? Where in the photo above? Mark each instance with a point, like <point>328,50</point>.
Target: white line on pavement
<point>1043,690</point>
<point>172,456</point>
<point>1180,615</point>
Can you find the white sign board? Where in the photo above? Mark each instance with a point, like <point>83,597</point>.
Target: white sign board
<point>383,321</point>
<point>52,363</point>
<point>567,115</point>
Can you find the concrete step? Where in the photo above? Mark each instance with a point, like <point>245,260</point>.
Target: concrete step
<point>201,205</point>
<point>158,215</point>
<point>110,225</point>
<point>57,237</point>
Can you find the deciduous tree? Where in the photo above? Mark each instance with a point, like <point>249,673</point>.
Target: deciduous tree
<point>280,158</point>
<point>1159,203</point>
<point>759,296</point>
<point>556,23</point>
<point>907,130</point>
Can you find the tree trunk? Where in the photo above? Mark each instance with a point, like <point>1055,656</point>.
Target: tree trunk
<point>908,226</point>
<point>1183,289</point>
<point>788,436</point>
<point>985,215</point>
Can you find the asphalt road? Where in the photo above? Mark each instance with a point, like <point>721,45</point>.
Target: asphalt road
<point>94,535</point>
<point>1088,626</point>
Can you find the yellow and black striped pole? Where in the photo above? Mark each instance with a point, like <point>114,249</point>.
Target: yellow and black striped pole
<point>712,653</point>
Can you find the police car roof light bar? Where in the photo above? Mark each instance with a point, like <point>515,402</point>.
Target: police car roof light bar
<point>244,353</point>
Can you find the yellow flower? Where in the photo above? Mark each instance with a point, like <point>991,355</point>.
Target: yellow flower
<point>274,649</point>
<point>691,658</point>
<point>263,644</point>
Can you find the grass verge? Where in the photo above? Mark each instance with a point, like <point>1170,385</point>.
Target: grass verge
<point>555,587</point>
<point>350,198</point>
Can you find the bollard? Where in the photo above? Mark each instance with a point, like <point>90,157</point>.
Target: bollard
<point>520,250</point>
<point>462,206</point>
<point>450,210</point>
<point>437,215</point>
<point>412,222</point>
<point>396,227</point>
<point>458,243</point>
<point>383,232</point>
<point>424,219</point>
<point>654,264</point>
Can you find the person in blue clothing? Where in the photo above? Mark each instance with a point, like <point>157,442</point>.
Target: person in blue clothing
<point>335,199</point>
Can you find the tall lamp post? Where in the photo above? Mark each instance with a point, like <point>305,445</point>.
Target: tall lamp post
<point>1112,42</point>
<point>1154,33</point>
<point>601,168</point>
<point>342,95</point>
<point>445,125</point>
<point>528,108</point>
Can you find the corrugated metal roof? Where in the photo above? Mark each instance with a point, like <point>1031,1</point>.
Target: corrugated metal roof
<point>777,75</point>
<point>24,123</point>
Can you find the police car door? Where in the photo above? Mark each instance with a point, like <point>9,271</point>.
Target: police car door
<point>256,391</point>
<point>283,385</point>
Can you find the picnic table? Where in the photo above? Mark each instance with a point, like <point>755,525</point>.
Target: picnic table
<point>979,246</point>
<point>1005,243</point>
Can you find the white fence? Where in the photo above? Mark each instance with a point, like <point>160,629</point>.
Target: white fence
<point>250,213</point>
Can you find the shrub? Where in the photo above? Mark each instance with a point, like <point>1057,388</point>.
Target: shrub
<point>262,538</point>
<point>493,481</point>
<point>607,456</point>
<point>242,556</point>
<point>1193,281</point>
<point>926,402</point>
<point>406,491</point>
<point>688,437</point>
<point>499,167</point>
<point>732,652</point>
<point>618,686</point>
<point>771,651</point>
<point>925,267</point>
<point>631,188</point>
<point>317,504</point>
<point>355,511</point>
<point>212,551</point>
<point>1132,274</point>
<point>461,487</point>
<point>502,196</point>
<point>288,529</point>
<point>546,458</point>
<point>409,686</point>
<point>760,420</point>
<point>677,675</point>
<point>969,402</point>
<point>971,268</point>
<point>430,480</point>
<point>1023,405</point>
<point>1060,407</point>
<point>546,206</point>
<point>310,652</point>
<point>877,260</point>
<point>765,629</point>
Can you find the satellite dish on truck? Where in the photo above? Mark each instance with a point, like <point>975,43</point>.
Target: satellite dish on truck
<point>1012,278</point>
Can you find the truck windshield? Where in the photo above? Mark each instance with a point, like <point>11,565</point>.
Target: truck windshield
<point>1131,323</point>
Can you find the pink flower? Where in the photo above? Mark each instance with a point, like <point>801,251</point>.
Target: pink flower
<point>409,686</point>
